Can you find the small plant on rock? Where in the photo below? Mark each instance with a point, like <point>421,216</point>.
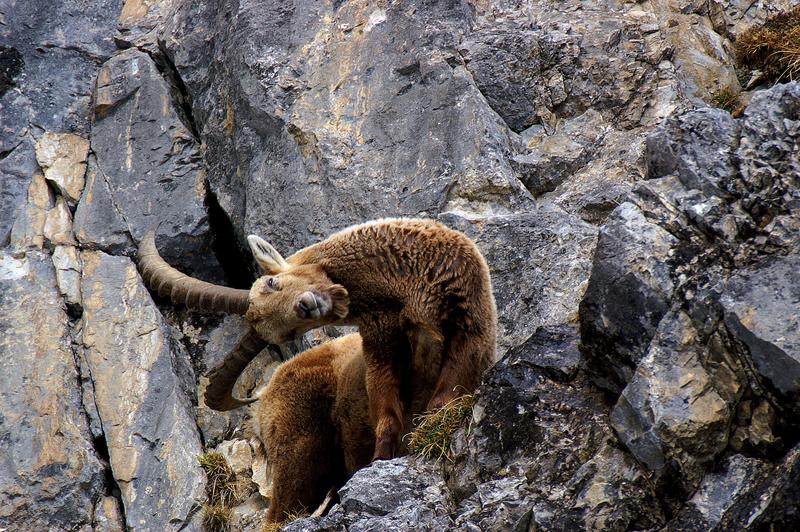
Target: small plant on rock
<point>276,527</point>
<point>434,431</point>
<point>773,48</point>
<point>223,491</point>
<point>217,518</point>
<point>726,99</point>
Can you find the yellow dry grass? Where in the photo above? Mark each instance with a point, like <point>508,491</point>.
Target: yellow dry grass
<point>223,489</point>
<point>773,48</point>
<point>434,431</point>
<point>217,518</point>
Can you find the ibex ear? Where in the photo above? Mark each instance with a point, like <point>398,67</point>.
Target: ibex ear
<point>340,301</point>
<point>267,256</point>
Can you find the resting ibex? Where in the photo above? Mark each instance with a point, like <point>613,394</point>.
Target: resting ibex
<point>313,421</point>
<point>419,293</point>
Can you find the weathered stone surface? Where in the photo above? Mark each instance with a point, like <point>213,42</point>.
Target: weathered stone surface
<point>238,454</point>
<point>292,121</point>
<point>50,475</point>
<point>733,17</point>
<point>28,228</point>
<point>393,495</point>
<point>539,262</point>
<point>520,70</point>
<point>674,414</point>
<point>549,446</point>
<point>113,234</point>
<point>701,56</point>
<point>16,169</point>
<point>761,308</point>
<point>719,493</point>
<point>554,348</point>
<point>108,515</point>
<point>147,173</point>
<point>773,503</point>
<point>585,165</point>
<point>58,225</point>
<point>68,274</point>
<point>62,157</point>
<point>143,389</point>
<point>629,291</point>
<point>553,156</point>
<point>769,154</point>
<point>49,54</point>
<point>696,147</point>
<point>59,52</point>
<point>720,367</point>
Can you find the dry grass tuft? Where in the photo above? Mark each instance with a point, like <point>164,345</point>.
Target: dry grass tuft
<point>222,485</point>
<point>217,518</point>
<point>773,48</point>
<point>223,489</point>
<point>727,99</point>
<point>276,527</point>
<point>431,438</point>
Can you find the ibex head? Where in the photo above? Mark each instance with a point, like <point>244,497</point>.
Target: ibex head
<point>289,300</point>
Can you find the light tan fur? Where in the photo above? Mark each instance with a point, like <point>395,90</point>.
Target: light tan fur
<point>313,422</point>
<point>420,294</point>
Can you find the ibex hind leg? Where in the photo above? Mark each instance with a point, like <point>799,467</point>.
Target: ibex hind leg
<point>386,409</point>
<point>465,359</point>
<point>302,475</point>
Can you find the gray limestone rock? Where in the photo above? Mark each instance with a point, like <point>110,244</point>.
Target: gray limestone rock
<point>696,147</point>
<point>50,52</point>
<point>147,172</point>
<point>394,495</point>
<point>144,390</point>
<point>674,413</point>
<point>541,453</point>
<point>720,494</point>
<point>539,263</point>
<point>293,116</point>
<point>769,154</point>
<point>761,307</point>
<point>50,474</point>
<point>68,275</point>
<point>629,291</point>
<point>772,502</point>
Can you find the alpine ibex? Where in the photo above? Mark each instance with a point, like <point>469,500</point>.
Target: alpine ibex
<point>418,291</point>
<point>313,422</point>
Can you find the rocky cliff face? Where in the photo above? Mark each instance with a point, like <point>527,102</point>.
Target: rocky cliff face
<point>644,249</point>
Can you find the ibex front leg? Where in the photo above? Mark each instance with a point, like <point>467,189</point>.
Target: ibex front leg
<point>387,352</point>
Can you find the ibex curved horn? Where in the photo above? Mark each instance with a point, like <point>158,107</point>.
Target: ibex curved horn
<point>219,393</point>
<point>185,290</point>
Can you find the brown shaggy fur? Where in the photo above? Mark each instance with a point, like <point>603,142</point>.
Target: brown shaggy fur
<point>420,294</point>
<point>313,421</point>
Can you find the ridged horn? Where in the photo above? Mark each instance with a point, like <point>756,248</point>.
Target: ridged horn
<point>184,290</point>
<point>219,393</point>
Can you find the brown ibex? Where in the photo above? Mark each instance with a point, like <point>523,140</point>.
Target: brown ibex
<point>418,291</point>
<point>313,422</point>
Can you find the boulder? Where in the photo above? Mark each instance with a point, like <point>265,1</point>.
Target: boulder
<point>50,473</point>
<point>146,171</point>
<point>144,391</point>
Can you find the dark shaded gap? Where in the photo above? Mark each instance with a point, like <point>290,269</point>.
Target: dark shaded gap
<point>182,100</point>
<point>236,262</point>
